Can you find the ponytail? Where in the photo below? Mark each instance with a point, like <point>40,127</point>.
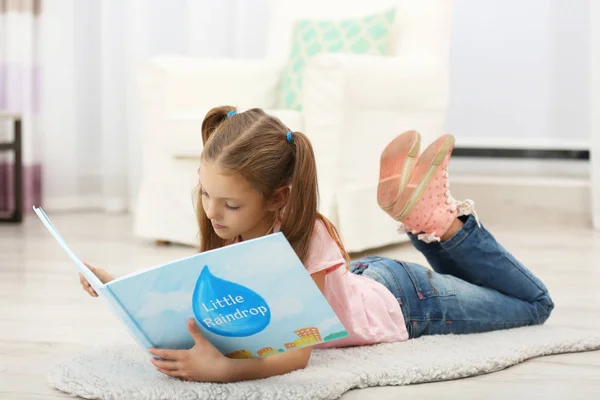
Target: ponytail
<point>213,119</point>
<point>301,209</point>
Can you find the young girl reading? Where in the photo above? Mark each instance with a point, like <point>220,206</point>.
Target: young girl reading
<point>257,177</point>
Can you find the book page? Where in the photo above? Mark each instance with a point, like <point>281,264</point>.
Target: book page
<point>87,273</point>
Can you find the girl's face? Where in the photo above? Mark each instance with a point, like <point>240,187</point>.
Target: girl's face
<point>233,207</point>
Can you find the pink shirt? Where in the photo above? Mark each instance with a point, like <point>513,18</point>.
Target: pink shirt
<point>367,309</point>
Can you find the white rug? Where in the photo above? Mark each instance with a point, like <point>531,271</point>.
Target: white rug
<point>126,373</point>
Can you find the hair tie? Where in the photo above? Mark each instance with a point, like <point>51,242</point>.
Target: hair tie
<point>230,113</point>
<point>290,137</point>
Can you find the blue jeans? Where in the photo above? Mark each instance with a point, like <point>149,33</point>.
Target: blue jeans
<point>476,286</point>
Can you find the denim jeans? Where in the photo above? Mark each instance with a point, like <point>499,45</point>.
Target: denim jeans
<point>476,285</point>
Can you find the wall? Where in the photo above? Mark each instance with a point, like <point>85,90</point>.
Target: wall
<point>520,73</point>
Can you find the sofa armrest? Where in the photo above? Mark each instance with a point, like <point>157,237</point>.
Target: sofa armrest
<point>188,84</point>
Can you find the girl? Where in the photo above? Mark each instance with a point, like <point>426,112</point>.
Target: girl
<point>258,177</point>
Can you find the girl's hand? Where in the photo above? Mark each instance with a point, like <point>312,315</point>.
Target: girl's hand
<point>104,277</point>
<point>202,363</point>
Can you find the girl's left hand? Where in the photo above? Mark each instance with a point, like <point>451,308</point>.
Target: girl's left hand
<point>202,363</point>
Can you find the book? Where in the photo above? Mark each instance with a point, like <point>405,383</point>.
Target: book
<point>250,299</point>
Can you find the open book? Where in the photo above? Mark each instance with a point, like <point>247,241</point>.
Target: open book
<point>249,299</point>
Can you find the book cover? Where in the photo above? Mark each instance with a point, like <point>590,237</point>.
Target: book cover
<point>249,299</point>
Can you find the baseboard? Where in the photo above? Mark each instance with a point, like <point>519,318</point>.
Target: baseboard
<point>516,201</point>
<point>522,143</point>
<point>542,154</point>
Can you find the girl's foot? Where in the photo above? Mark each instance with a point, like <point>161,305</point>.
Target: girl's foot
<point>396,164</point>
<point>425,206</point>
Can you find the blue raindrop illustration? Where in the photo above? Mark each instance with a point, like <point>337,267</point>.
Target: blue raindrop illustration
<point>228,309</point>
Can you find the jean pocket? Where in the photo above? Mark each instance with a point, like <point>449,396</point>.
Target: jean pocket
<point>429,283</point>
<point>380,270</point>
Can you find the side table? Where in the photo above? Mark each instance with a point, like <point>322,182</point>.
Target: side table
<point>15,146</point>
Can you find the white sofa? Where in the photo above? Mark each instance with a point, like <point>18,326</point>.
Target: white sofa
<point>353,105</point>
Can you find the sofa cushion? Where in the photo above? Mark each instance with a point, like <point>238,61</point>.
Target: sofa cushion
<point>367,35</point>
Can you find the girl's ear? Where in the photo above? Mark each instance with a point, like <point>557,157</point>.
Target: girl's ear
<point>279,199</point>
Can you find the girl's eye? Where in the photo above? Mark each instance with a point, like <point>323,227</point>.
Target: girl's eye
<point>231,208</point>
<point>203,193</point>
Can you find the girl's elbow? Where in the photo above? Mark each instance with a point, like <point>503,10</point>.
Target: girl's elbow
<point>304,358</point>
<point>303,363</point>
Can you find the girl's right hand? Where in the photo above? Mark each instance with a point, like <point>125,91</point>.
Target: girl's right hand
<point>104,277</point>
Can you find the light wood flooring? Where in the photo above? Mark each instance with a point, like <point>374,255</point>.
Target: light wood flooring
<point>44,315</point>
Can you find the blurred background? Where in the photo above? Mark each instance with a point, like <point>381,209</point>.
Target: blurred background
<point>111,95</point>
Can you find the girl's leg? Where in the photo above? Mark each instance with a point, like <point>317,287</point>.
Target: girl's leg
<point>485,287</point>
<point>434,303</point>
<point>474,255</point>
<point>429,212</point>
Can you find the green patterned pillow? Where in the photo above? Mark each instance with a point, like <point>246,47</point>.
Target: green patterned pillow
<point>368,35</point>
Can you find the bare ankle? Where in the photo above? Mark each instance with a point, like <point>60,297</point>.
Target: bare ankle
<point>455,227</point>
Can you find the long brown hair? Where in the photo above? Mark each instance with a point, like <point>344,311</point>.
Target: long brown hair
<point>254,145</point>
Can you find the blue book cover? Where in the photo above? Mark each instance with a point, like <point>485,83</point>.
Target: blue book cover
<point>249,299</point>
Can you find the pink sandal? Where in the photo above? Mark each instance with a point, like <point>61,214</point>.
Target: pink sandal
<point>426,207</point>
<point>397,160</point>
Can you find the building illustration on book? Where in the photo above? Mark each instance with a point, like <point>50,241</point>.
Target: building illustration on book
<point>306,337</point>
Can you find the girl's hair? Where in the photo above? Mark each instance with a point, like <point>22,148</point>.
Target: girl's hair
<point>255,145</point>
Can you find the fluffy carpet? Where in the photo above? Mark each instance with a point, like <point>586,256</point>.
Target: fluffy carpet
<point>126,373</point>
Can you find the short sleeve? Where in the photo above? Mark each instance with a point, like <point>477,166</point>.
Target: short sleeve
<point>323,251</point>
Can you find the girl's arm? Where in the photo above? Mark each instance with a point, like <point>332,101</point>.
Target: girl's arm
<point>205,363</point>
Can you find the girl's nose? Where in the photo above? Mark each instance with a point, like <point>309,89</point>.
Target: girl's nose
<point>212,211</point>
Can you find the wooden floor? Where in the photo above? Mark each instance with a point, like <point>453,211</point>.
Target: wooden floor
<point>44,315</point>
